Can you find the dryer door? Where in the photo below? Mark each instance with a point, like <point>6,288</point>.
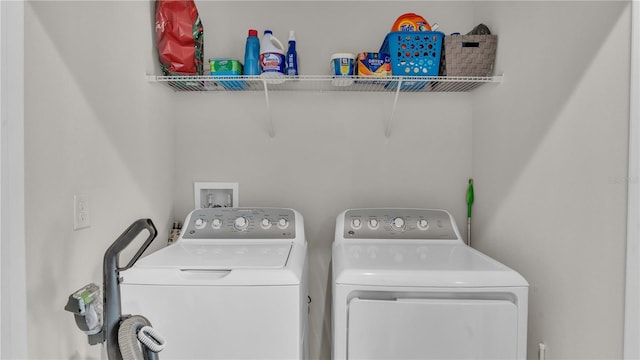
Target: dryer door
<point>432,329</point>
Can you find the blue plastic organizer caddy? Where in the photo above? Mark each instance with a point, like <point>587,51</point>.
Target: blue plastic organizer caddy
<point>414,53</point>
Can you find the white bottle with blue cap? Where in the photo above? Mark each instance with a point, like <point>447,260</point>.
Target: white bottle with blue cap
<point>272,56</point>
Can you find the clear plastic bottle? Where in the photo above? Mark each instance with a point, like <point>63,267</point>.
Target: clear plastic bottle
<point>292,56</point>
<point>252,54</point>
<point>272,58</point>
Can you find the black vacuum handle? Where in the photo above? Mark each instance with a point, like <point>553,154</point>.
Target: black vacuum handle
<point>112,307</point>
<point>127,238</point>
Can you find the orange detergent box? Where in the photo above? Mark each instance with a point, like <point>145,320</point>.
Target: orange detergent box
<point>373,64</point>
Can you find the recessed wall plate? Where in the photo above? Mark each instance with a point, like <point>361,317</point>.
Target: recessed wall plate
<point>214,194</point>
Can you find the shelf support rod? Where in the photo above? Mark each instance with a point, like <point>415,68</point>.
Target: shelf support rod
<point>387,132</point>
<point>270,118</point>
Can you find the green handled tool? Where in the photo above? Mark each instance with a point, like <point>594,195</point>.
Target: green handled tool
<point>469,203</point>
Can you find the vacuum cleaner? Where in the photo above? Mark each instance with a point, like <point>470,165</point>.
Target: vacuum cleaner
<point>127,337</point>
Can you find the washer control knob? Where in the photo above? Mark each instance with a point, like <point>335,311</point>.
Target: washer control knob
<point>373,224</point>
<point>241,223</point>
<point>423,224</point>
<point>265,223</point>
<point>283,223</point>
<point>200,224</point>
<point>216,223</point>
<point>356,223</point>
<point>397,223</point>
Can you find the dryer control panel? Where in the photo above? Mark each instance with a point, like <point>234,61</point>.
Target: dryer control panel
<point>240,223</point>
<point>398,224</point>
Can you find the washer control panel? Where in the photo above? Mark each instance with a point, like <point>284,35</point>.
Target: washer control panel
<point>240,223</point>
<point>398,224</point>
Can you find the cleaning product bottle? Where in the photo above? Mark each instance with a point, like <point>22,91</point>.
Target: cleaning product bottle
<point>252,54</point>
<point>292,56</point>
<point>272,59</point>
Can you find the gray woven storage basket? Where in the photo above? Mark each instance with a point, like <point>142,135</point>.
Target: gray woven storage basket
<point>469,55</point>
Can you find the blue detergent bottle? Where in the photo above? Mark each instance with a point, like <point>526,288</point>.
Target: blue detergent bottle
<point>252,54</point>
<point>292,56</point>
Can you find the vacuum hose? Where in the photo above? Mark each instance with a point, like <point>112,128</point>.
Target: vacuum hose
<point>135,330</point>
<point>151,338</point>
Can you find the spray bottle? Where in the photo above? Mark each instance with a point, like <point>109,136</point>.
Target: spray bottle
<point>292,56</point>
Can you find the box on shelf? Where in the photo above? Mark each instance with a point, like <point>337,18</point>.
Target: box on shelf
<point>373,64</point>
<point>469,55</point>
<point>227,67</point>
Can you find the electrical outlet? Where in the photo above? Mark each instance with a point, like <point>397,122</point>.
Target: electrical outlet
<point>81,212</point>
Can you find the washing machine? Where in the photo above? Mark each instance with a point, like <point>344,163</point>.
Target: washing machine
<point>405,286</point>
<point>233,286</point>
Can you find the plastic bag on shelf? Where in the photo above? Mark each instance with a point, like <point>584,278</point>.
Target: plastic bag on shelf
<point>179,37</point>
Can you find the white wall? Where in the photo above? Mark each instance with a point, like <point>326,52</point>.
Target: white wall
<point>632,275</point>
<point>13,309</point>
<point>329,152</point>
<point>550,168</point>
<point>547,149</point>
<point>94,126</point>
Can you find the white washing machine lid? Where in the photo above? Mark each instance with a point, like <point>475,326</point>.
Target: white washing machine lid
<point>221,255</point>
<point>418,263</point>
<point>219,263</point>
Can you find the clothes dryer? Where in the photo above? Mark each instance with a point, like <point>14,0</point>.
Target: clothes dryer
<point>405,286</point>
<point>233,286</point>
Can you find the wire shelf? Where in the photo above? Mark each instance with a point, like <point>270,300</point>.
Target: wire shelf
<point>326,83</point>
<point>320,83</point>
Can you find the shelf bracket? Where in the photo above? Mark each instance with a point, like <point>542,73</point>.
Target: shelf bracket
<point>269,117</point>
<point>387,131</point>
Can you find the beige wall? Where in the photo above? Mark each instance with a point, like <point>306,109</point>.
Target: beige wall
<point>550,168</point>
<point>93,126</point>
<point>547,149</point>
<point>329,152</point>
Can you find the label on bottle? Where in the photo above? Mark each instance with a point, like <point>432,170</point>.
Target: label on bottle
<point>272,62</point>
<point>292,67</point>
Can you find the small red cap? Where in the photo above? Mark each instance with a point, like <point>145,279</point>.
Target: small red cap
<point>253,32</point>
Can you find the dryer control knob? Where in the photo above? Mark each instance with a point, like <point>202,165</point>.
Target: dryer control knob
<point>423,224</point>
<point>241,223</point>
<point>397,223</point>
<point>216,223</point>
<point>373,224</point>
<point>265,223</point>
<point>356,223</point>
<point>200,224</point>
<point>283,223</point>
